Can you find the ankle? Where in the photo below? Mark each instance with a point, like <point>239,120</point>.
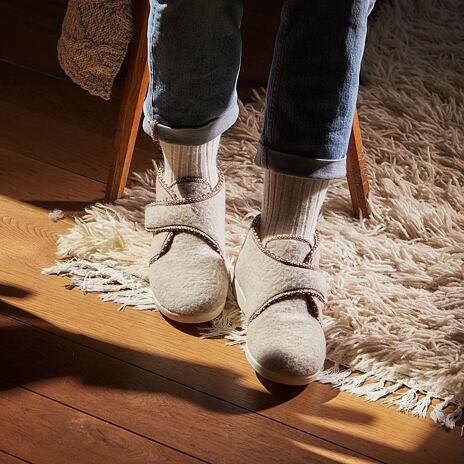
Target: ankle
<point>291,205</point>
<point>199,161</point>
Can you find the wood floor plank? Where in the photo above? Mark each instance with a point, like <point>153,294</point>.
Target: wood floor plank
<point>158,346</point>
<point>29,33</point>
<point>152,406</point>
<point>46,186</point>
<point>6,458</point>
<point>43,431</point>
<point>58,123</point>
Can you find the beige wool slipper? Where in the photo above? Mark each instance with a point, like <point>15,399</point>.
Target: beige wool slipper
<point>188,273</point>
<point>281,293</point>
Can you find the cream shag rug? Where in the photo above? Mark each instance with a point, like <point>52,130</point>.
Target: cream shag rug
<point>396,308</point>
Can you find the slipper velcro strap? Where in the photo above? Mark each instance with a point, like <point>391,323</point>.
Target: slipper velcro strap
<point>275,279</point>
<point>204,217</point>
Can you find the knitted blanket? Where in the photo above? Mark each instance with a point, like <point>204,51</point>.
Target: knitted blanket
<point>93,42</point>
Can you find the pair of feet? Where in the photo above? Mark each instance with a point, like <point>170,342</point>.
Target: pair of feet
<point>277,282</point>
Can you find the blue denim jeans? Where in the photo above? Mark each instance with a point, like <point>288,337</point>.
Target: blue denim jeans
<point>194,49</point>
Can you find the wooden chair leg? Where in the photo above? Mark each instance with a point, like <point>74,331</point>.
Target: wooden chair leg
<point>357,172</point>
<point>135,89</point>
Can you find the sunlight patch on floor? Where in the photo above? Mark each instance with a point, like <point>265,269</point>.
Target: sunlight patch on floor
<point>342,456</point>
<point>407,437</point>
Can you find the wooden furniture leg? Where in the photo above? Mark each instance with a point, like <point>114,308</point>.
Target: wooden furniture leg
<point>135,89</point>
<point>357,173</point>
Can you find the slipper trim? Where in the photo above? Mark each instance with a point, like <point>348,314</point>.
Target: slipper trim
<point>186,200</point>
<point>164,247</point>
<point>199,180</point>
<point>287,294</point>
<point>179,228</point>
<point>306,264</point>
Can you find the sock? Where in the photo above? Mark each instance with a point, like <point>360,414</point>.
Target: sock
<point>191,161</point>
<point>291,205</point>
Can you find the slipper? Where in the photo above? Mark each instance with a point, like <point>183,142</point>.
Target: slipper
<point>188,272</point>
<point>281,292</point>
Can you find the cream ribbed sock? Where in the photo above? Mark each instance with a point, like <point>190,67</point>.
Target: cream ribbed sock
<point>291,205</point>
<point>191,161</point>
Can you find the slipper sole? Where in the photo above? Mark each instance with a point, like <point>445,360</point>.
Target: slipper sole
<point>190,318</point>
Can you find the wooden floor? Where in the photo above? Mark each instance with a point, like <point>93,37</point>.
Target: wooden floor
<point>81,382</point>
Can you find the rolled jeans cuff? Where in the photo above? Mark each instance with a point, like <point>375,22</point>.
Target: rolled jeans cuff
<point>192,135</point>
<point>298,165</point>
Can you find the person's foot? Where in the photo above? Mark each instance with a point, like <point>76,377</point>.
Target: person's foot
<point>188,273</point>
<point>281,292</point>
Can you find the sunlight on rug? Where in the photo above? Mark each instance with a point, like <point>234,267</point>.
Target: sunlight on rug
<point>395,310</point>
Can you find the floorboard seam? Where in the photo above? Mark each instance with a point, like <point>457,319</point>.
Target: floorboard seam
<point>135,366</point>
<point>102,420</point>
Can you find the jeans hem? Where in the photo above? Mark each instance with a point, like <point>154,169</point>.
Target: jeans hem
<point>299,166</point>
<point>192,135</point>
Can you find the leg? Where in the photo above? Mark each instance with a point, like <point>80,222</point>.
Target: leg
<point>194,61</point>
<point>310,106</point>
<point>313,87</point>
<point>310,110</point>
<point>131,105</point>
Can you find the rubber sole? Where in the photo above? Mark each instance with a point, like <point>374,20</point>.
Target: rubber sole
<point>192,318</point>
<point>260,369</point>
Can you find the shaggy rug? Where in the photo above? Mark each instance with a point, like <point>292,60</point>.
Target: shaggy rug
<point>396,307</point>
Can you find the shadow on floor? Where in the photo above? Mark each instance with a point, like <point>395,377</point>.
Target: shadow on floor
<point>33,350</point>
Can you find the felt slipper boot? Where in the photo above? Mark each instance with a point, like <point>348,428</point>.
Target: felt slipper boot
<point>281,293</point>
<point>188,273</point>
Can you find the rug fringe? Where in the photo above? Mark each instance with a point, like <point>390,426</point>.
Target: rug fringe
<point>111,284</point>
<point>372,388</point>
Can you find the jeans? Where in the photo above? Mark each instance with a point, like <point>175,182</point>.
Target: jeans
<point>194,49</point>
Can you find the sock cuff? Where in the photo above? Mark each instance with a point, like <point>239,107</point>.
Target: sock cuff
<point>191,161</point>
<point>291,205</point>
